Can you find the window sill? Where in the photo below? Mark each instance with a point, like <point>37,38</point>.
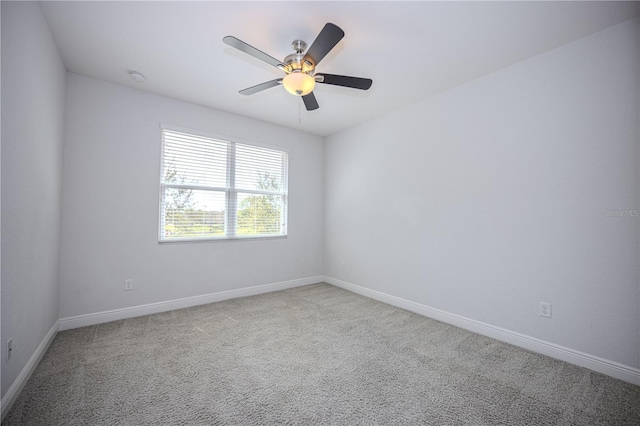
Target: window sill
<point>219,240</point>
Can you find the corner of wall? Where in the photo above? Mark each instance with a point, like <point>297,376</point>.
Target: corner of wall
<point>32,145</point>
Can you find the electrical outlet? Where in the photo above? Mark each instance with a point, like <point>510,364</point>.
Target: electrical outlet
<point>545,309</point>
<point>343,266</point>
<point>128,284</point>
<point>9,349</point>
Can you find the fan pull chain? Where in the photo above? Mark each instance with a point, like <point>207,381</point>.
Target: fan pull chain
<point>299,111</point>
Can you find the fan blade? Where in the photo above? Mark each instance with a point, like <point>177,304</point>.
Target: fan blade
<point>310,102</point>
<point>260,87</point>
<point>250,50</point>
<point>327,39</point>
<point>345,81</point>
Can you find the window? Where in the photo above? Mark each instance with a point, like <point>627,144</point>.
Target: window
<point>218,189</point>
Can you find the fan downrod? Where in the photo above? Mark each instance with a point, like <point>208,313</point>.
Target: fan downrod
<point>299,46</point>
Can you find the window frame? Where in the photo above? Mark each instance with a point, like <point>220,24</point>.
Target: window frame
<point>230,191</point>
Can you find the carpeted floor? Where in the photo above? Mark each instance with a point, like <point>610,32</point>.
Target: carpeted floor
<point>310,355</point>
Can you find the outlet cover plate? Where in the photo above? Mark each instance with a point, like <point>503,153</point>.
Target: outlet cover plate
<point>9,349</point>
<point>545,309</point>
<point>128,285</point>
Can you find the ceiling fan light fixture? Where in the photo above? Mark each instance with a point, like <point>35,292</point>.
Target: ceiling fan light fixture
<point>299,83</point>
<point>299,67</point>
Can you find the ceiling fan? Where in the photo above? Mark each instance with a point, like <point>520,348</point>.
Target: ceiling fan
<point>299,67</point>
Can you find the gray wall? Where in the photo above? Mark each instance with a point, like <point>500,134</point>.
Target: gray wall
<point>33,104</point>
<point>111,195</point>
<point>494,196</point>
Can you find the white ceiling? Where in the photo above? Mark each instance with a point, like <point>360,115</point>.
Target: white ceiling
<point>411,50</point>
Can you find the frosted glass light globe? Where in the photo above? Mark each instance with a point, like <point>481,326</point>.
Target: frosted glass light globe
<point>298,83</point>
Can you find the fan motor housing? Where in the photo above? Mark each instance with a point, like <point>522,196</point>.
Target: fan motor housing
<point>296,62</point>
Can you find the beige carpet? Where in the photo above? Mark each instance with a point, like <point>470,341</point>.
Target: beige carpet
<point>309,355</point>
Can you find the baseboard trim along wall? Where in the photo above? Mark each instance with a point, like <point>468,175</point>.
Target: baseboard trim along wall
<point>22,379</point>
<point>187,302</point>
<point>604,366</point>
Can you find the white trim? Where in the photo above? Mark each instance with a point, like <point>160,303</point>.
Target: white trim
<point>22,379</point>
<point>187,302</point>
<point>221,239</point>
<point>601,365</point>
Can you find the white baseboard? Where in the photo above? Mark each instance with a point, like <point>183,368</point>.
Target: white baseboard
<point>187,302</point>
<point>604,366</point>
<point>22,379</point>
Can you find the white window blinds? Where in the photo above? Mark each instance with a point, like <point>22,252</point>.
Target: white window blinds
<point>217,189</point>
